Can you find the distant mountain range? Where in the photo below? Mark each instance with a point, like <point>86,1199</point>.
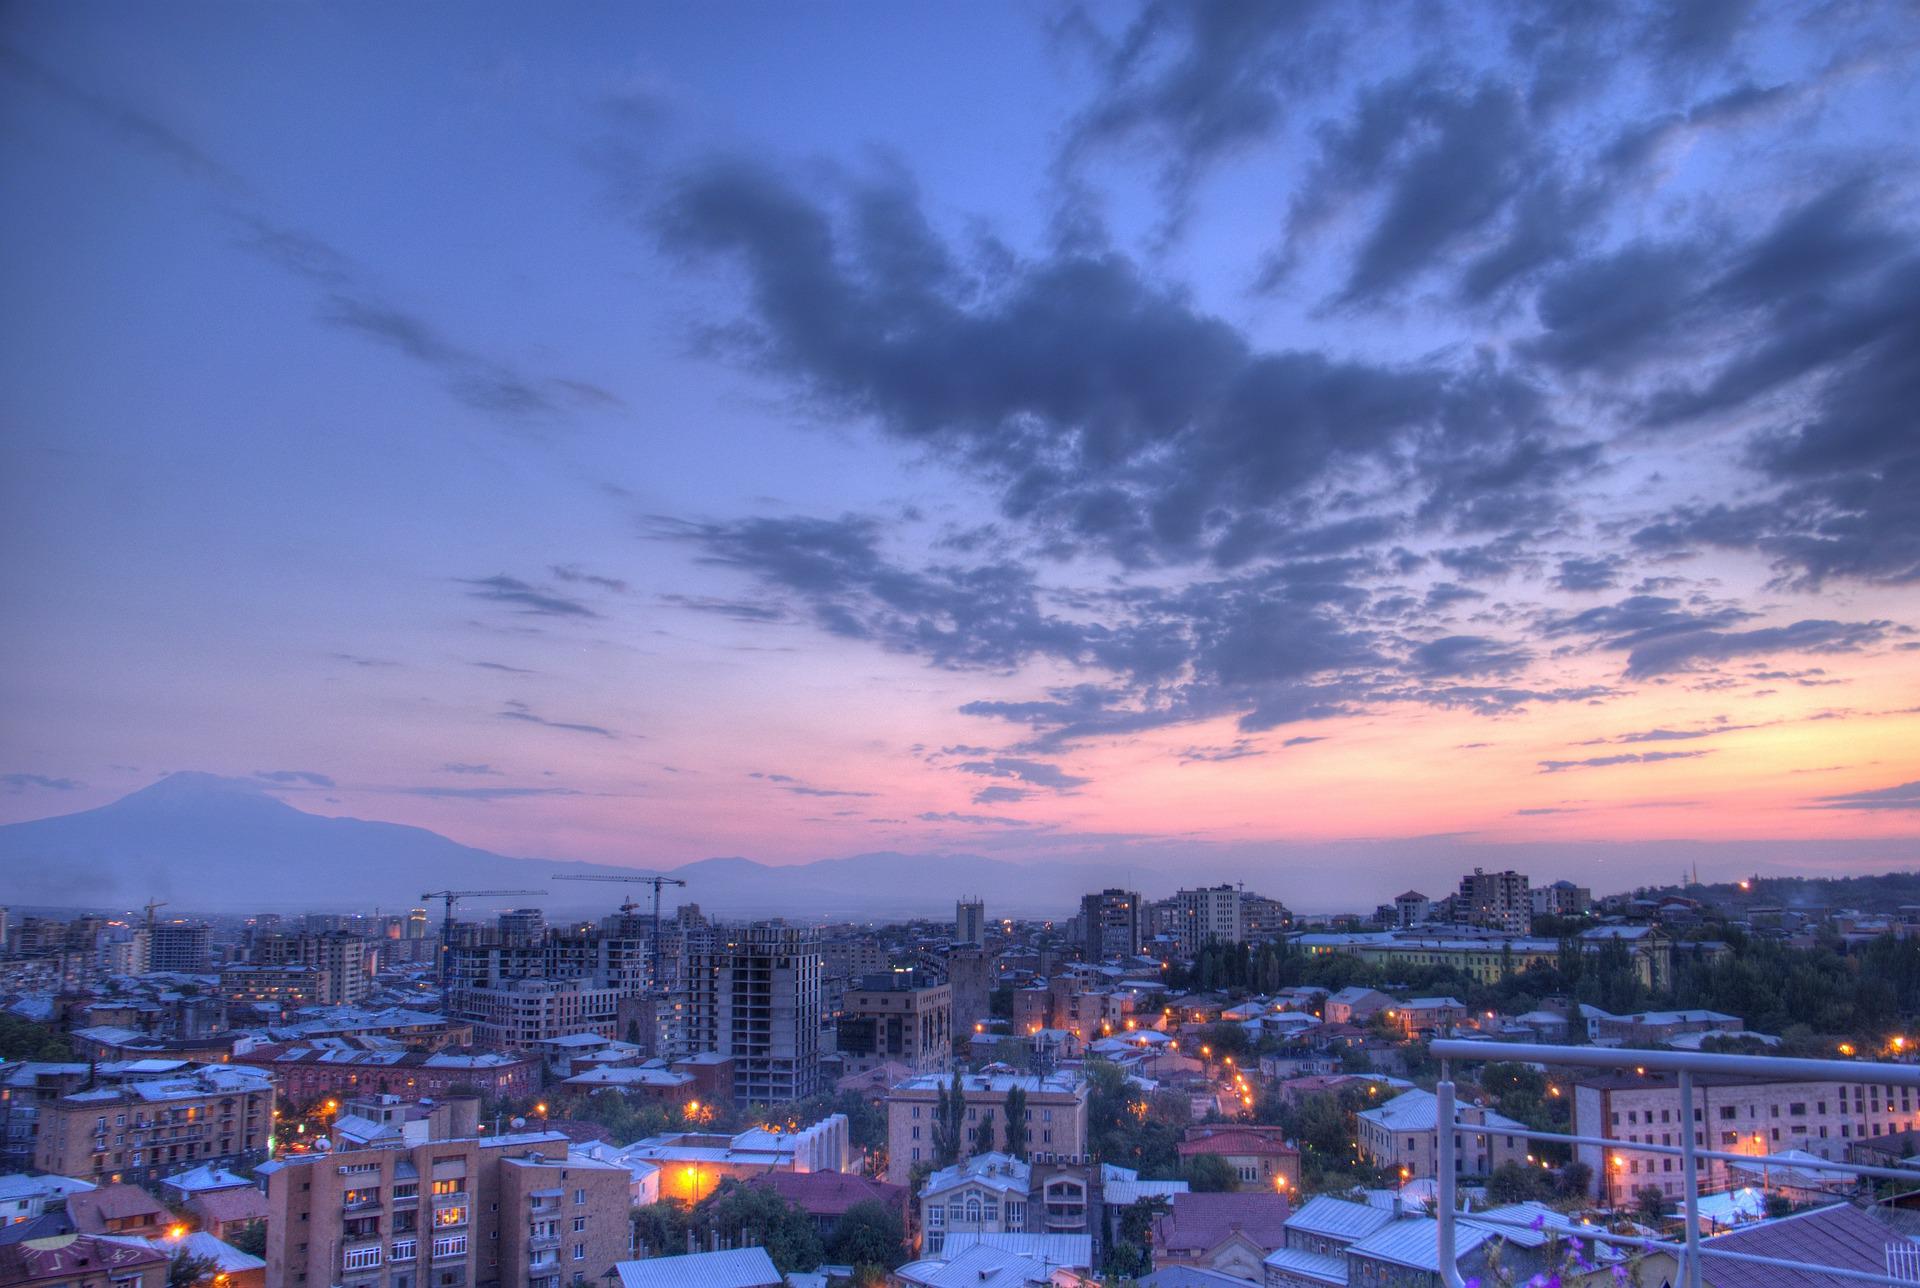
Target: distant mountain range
<point>210,844</point>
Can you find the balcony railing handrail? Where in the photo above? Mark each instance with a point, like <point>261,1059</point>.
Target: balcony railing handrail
<point>1685,1064</point>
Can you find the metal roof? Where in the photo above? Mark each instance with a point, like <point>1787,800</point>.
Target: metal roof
<point>1415,1241</point>
<point>1323,1267</point>
<point>737,1268</point>
<point>1337,1218</point>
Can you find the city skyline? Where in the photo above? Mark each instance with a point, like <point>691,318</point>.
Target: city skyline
<point>1047,434</point>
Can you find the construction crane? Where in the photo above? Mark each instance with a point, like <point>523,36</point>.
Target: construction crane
<point>446,927</point>
<point>653,942</point>
<point>151,905</point>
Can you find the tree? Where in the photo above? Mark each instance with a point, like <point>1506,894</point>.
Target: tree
<point>1650,1204</point>
<point>755,1215</point>
<point>24,1040</point>
<point>1574,1180</point>
<point>660,1229</point>
<point>1017,1122</point>
<point>949,1122</point>
<point>1517,1183</point>
<point>983,1135</point>
<point>187,1270</point>
<point>869,1234</point>
<point>1210,1174</point>
<point>250,1238</point>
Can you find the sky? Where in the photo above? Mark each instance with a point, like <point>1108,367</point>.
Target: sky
<point>644,433</point>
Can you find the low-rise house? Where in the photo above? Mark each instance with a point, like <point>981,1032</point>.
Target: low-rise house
<point>1056,1114</point>
<point>23,1197</point>
<point>827,1196</point>
<point>1427,1015</point>
<point>227,1266</point>
<point>1231,1233</point>
<point>1403,1135</point>
<point>1260,1157</point>
<point>1842,1236</point>
<point>692,1164</point>
<point>118,1209</point>
<point>82,1261</point>
<point>1355,1005</point>
<point>986,1194</point>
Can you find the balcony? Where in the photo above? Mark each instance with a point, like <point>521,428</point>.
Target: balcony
<point>1695,1258</point>
<point>543,1262</point>
<point>542,1242</point>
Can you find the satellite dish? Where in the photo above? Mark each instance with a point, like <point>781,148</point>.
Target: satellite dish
<point>322,1145</point>
<point>518,1123</point>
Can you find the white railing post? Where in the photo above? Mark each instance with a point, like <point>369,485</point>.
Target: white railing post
<point>1690,1170</point>
<point>1444,1124</point>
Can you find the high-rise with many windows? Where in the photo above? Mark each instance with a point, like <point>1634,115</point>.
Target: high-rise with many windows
<point>753,993</point>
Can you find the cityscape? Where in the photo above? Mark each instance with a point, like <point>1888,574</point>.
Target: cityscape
<point>1022,644</point>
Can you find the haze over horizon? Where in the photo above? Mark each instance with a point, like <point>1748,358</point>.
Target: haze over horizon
<point>1044,432</point>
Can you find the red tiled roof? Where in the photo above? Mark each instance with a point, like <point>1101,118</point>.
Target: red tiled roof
<point>71,1256</point>
<point>1198,1222</point>
<point>92,1209</point>
<point>218,1207</point>
<point>1231,1140</point>
<point>831,1193</point>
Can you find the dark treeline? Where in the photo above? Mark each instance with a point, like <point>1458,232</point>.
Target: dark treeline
<point>1799,993</point>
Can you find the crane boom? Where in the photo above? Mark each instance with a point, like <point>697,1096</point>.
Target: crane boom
<point>656,881</point>
<point>446,928</point>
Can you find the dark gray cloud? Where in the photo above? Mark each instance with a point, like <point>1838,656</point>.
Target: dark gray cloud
<point>575,573</point>
<point>998,795</point>
<point>482,793</point>
<point>23,782</point>
<point>974,820</point>
<point>1469,655</point>
<point>803,790</point>
<point>1302,740</point>
<point>1240,749</point>
<point>502,666</point>
<point>1903,797</point>
<point>1661,636</point>
<point>524,597</point>
<point>1036,773</point>
<point>1104,407</point>
<point>293,777</point>
<point>1587,574</point>
<point>1623,758</point>
<point>521,712</point>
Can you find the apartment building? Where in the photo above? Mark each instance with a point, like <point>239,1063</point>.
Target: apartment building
<point>693,1164</point>
<point>1488,957</point>
<point>899,1017</point>
<point>342,960</point>
<point>1403,1135</point>
<point>1111,924</point>
<point>524,986</point>
<point>1734,1115</point>
<point>971,975</point>
<point>430,1204</point>
<point>1197,917</point>
<point>309,1072</point>
<point>1056,1115</point>
<point>1562,899</point>
<point>286,987</point>
<point>970,923</point>
<point>754,994</point>
<point>1497,900</point>
<point>146,1127</point>
<point>179,946</point>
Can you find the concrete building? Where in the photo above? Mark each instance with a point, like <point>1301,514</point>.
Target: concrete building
<point>1402,1135</point>
<point>983,1195</point>
<point>310,1072</point>
<point>344,961</point>
<point>970,923</point>
<point>970,974</point>
<point>441,1206</point>
<point>1489,957</point>
<point>1208,914</point>
<point>1056,1115</point>
<point>1562,899</point>
<point>1262,919</point>
<point>1412,908</point>
<point>898,1017</point>
<point>754,994</point>
<point>539,986</point>
<point>286,987</point>
<point>144,1127</point>
<point>180,946</point>
<point>1497,900</point>
<point>1733,1115</point>
<point>1110,924</point>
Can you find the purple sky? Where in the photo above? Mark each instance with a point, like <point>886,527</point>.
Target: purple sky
<point>644,433</point>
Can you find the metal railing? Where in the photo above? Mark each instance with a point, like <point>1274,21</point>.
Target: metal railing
<point>1683,1064</point>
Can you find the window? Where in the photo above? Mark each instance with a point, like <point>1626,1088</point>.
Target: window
<point>452,1185</point>
<point>579,1225</point>
<point>1798,1109</point>
<point>579,1198</point>
<point>404,1250</point>
<point>449,1216</point>
<point>453,1245</point>
<point>1727,1111</point>
<point>579,1252</point>
<point>937,1217</point>
<point>362,1258</point>
<point>973,1211</point>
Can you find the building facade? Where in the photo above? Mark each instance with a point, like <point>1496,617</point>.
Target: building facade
<point>754,994</point>
<point>900,1018</point>
<point>1056,1115</point>
<point>1110,924</point>
<point>1497,901</point>
<point>141,1130</point>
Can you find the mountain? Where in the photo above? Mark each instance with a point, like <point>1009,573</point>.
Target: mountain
<point>210,844</point>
